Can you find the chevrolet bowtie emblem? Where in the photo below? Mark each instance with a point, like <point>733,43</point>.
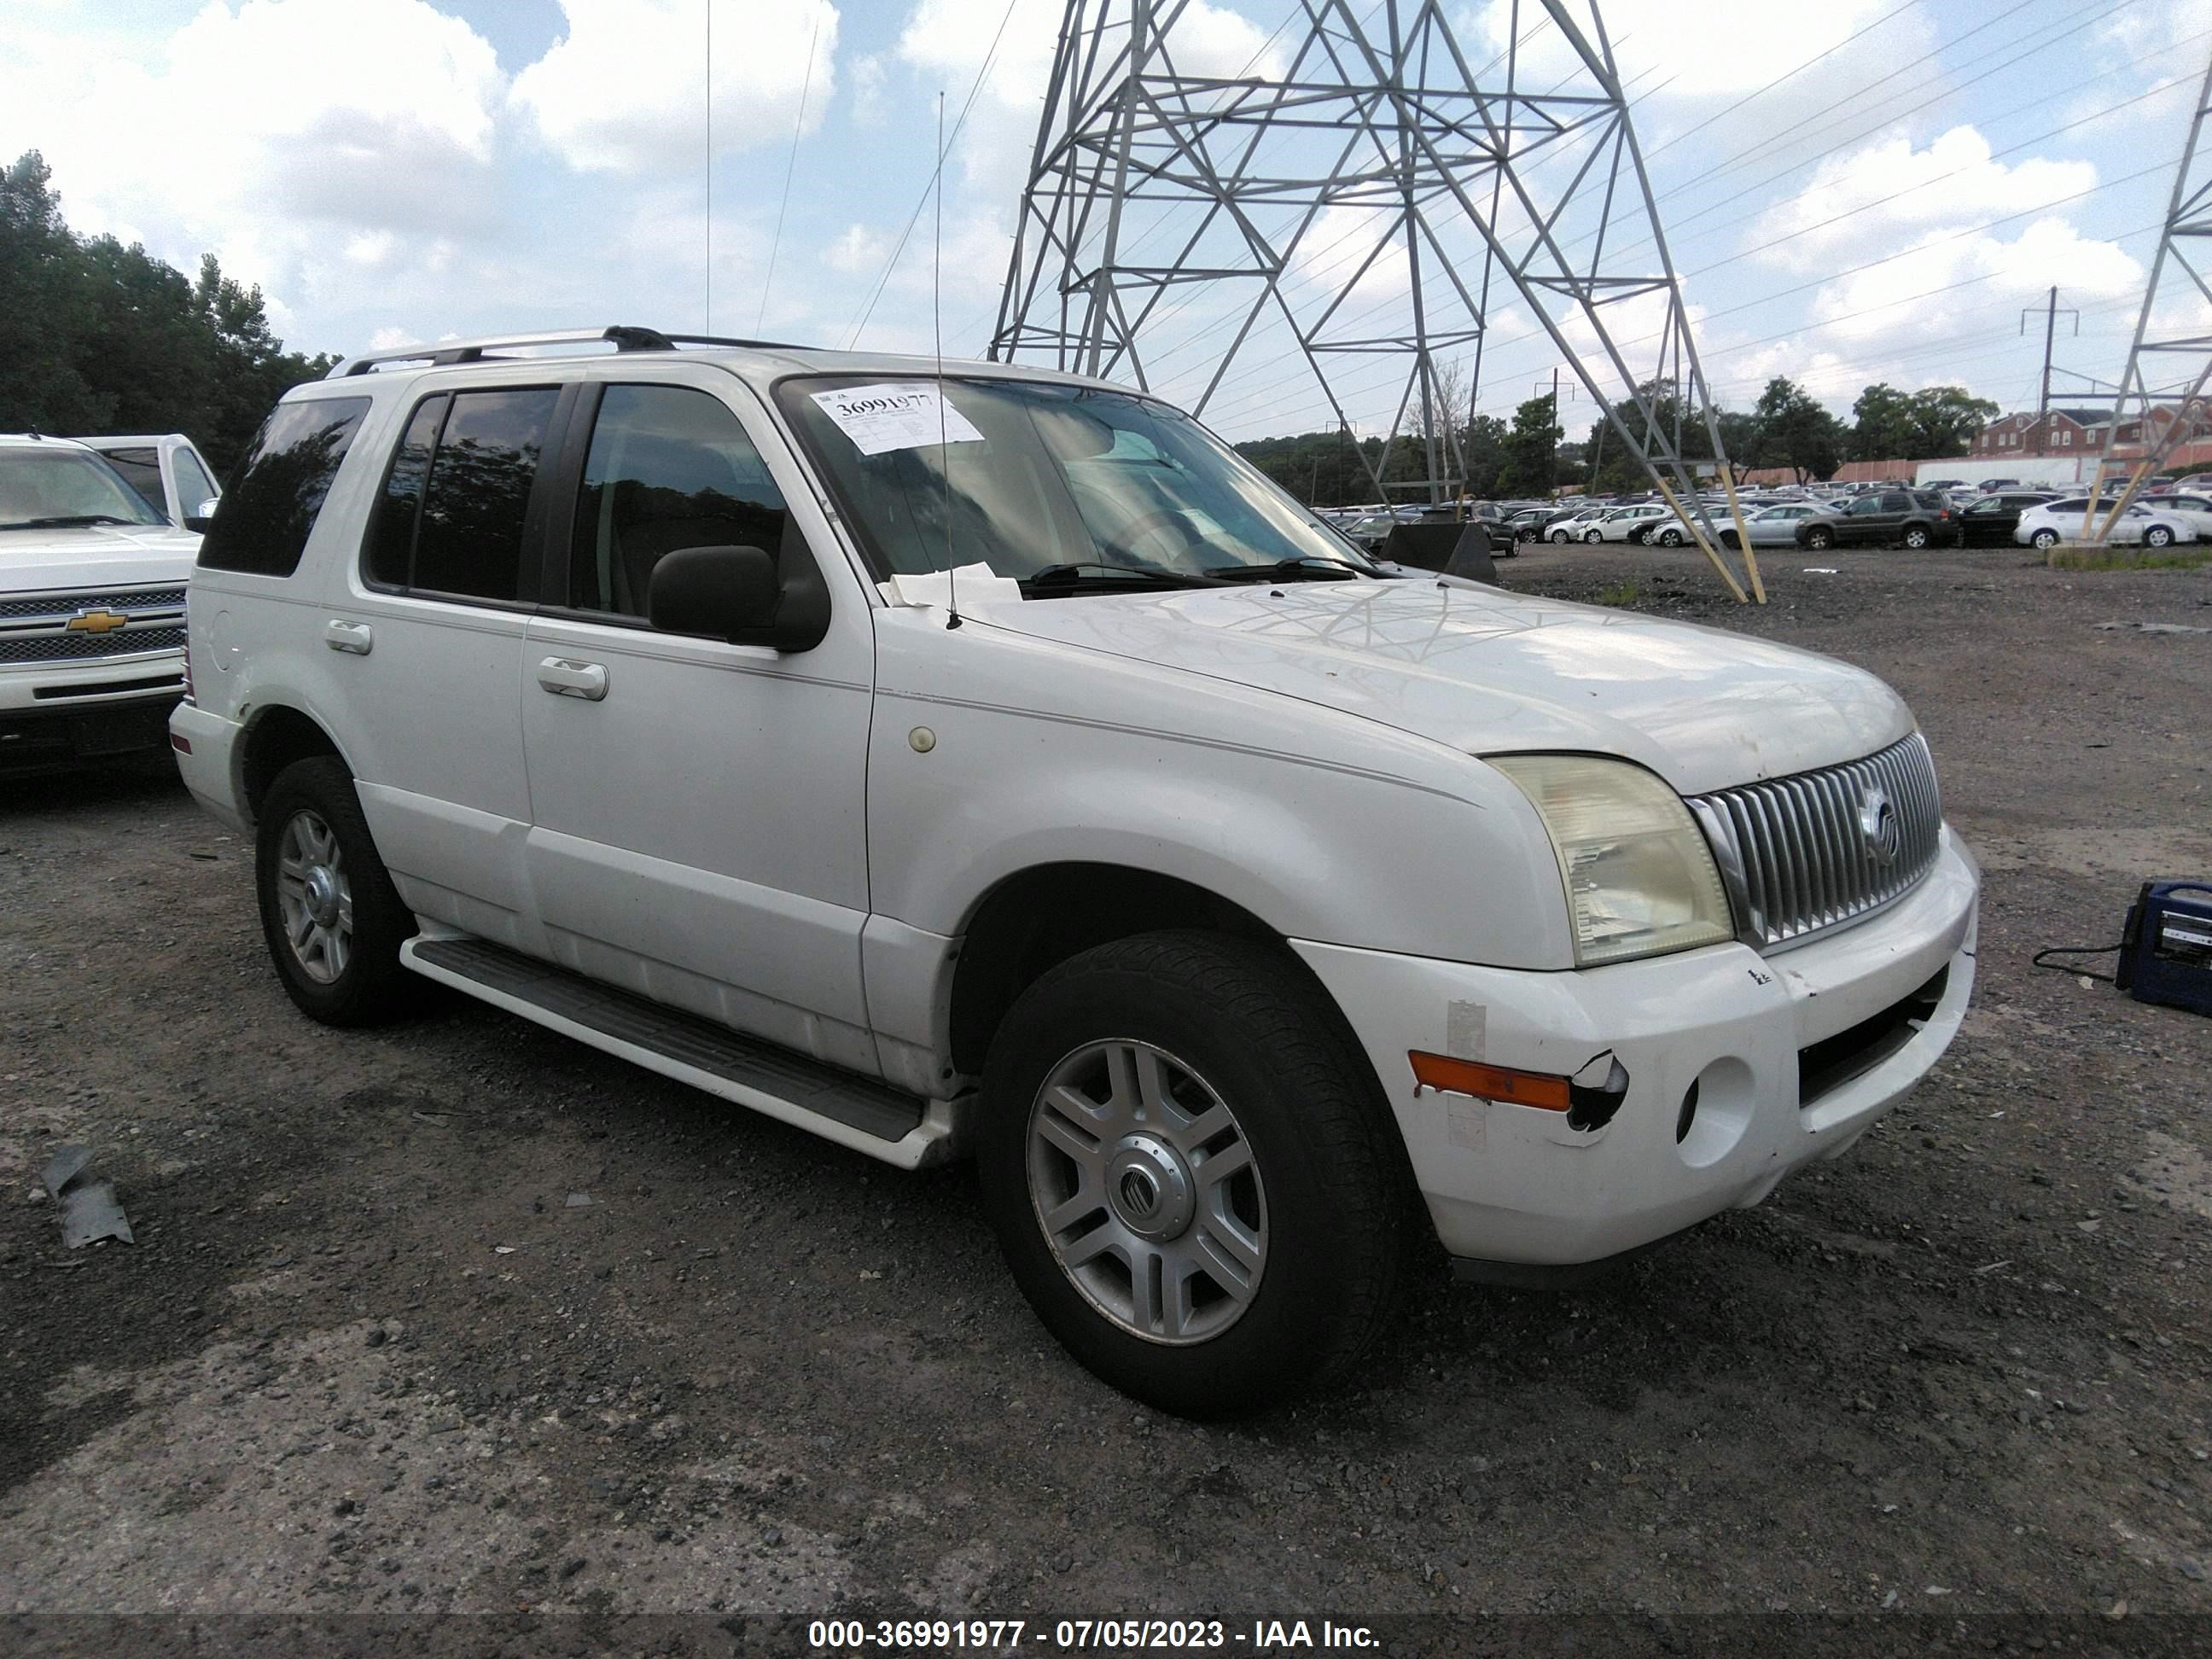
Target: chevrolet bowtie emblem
<point>96,622</point>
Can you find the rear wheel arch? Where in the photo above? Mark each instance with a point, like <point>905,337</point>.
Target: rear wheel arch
<point>277,735</point>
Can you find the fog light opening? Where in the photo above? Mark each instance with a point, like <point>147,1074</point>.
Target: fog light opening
<point>1688,1114</point>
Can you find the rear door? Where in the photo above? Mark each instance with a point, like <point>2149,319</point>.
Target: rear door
<point>425,651</point>
<point>698,828</point>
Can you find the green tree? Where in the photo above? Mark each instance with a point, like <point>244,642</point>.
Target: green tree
<point>1947,417</point>
<point>97,336</point>
<point>1882,424</point>
<point>1796,430</point>
<point>46,304</point>
<point>1531,449</point>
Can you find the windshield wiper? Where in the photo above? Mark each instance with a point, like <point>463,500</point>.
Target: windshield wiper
<point>1309,567</point>
<point>1147,575</point>
<point>66,521</point>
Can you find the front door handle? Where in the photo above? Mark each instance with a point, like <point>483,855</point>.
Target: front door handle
<point>565,677</point>
<point>353,637</point>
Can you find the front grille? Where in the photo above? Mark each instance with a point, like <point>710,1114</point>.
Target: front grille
<point>81,647</point>
<point>1798,854</point>
<point>67,605</point>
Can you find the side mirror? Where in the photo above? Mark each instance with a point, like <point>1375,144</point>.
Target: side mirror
<point>200,520</point>
<point>735,593</point>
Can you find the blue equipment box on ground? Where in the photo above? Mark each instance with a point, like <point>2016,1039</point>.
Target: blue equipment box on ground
<point>2165,954</point>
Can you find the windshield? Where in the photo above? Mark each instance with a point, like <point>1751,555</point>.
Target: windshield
<point>50,486</point>
<point>1042,477</point>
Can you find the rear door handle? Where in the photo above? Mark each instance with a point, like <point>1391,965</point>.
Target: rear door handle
<point>565,677</point>
<point>354,637</point>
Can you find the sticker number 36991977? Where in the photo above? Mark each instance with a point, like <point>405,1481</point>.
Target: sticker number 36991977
<point>897,414</point>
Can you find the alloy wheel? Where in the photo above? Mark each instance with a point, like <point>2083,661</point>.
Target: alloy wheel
<point>1147,1192</point>
<point>315,897</point>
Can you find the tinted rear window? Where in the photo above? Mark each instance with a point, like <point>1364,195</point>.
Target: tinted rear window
<point>272,503</point>
<point>141,470</point>
<point>450,518</point>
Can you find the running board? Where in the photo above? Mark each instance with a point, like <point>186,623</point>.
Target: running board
<point>853,1111</point>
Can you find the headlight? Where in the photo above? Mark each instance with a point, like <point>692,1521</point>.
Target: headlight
<point>1640,878</point>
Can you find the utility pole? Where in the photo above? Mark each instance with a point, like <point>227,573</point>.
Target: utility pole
<point>1551,448</point>
<point>2049,328</point>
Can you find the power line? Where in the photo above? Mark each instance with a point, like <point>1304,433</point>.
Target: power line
<point>790,167</point>
<point>921,201</point>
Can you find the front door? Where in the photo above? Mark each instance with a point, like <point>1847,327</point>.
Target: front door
<point>698,831</point>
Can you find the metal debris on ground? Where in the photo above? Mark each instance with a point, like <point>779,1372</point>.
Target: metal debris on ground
<point>1820,570</point>
<point>2151,628</point>
<point>89,1209</point>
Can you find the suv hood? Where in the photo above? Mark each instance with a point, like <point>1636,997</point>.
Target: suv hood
<point>1490,672</point>
<point>95,556</point>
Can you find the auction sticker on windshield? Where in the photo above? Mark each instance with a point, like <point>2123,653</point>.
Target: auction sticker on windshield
<point>902,414</point>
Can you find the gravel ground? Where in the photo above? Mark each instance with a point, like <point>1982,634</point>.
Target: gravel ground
<point>460,1316</point>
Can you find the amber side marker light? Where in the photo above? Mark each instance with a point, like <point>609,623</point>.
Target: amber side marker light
<point>1470,1077</point>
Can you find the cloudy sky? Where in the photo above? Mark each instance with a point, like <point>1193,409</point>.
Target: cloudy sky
<point>1853,190</point>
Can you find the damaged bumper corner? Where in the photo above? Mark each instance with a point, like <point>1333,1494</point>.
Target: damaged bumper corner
<point>1695,1082</point>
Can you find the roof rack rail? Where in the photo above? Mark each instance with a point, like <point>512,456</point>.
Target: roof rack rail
<point>622,336</point>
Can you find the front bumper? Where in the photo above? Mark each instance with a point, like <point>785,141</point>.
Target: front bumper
<point>60,719</point>
<point>1515,1184</point>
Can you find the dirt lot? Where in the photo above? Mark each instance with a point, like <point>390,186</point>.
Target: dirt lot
<point>461,1315</point>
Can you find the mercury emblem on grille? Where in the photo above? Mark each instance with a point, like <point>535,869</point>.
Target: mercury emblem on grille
<point>1878,823</point>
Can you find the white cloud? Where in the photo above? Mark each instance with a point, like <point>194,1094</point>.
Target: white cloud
<point>858,251</point>
<point>1890,191</point>
<point>1717,48</point>
<point>622,91</point>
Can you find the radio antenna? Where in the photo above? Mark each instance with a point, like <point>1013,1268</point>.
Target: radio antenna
<point>937,329</point>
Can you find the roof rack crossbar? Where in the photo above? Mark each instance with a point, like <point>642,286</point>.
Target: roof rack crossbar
<point>623,337</point>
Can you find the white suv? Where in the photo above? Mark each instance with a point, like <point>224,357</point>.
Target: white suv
<point>1217,891</point>
<point>92,609</point>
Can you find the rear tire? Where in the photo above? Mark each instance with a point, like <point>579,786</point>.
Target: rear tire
<point>1113,1085</point>
<point>1560,538</point>
<point>333,922</point>
<point>1915,537</point>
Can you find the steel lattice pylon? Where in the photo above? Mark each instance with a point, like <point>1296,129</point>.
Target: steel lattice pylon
<point>1468,173</point>
<point>2187,222</point>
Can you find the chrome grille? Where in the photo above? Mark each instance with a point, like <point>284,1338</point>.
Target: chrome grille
<point>81,647</point>
<point>1796,856</point>
<point>68,604</point>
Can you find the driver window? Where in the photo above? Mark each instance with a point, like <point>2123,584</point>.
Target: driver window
<point>1867,504</point>
<point>669,468</point>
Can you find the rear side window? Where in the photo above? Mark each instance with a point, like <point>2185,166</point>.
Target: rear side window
<point>141,470</point>
<point>669,468</point>
<point>272,503</point>
<point>450,519</point>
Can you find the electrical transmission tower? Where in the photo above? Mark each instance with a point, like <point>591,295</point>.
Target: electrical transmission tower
<point>1179,222</point>
<point>2176,339</point>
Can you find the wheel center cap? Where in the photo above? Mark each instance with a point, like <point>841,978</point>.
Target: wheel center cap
<point>322,885</point>
<point>1149,1187</point>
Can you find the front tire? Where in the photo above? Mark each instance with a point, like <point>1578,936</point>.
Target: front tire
<point>333,922</point>
<point>1192,1174</point>
<point>1820,540</point>
<point>1592,537</point>
<point>2157,536</point>
<point>1560,538</point>
<point>1670,537</point>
